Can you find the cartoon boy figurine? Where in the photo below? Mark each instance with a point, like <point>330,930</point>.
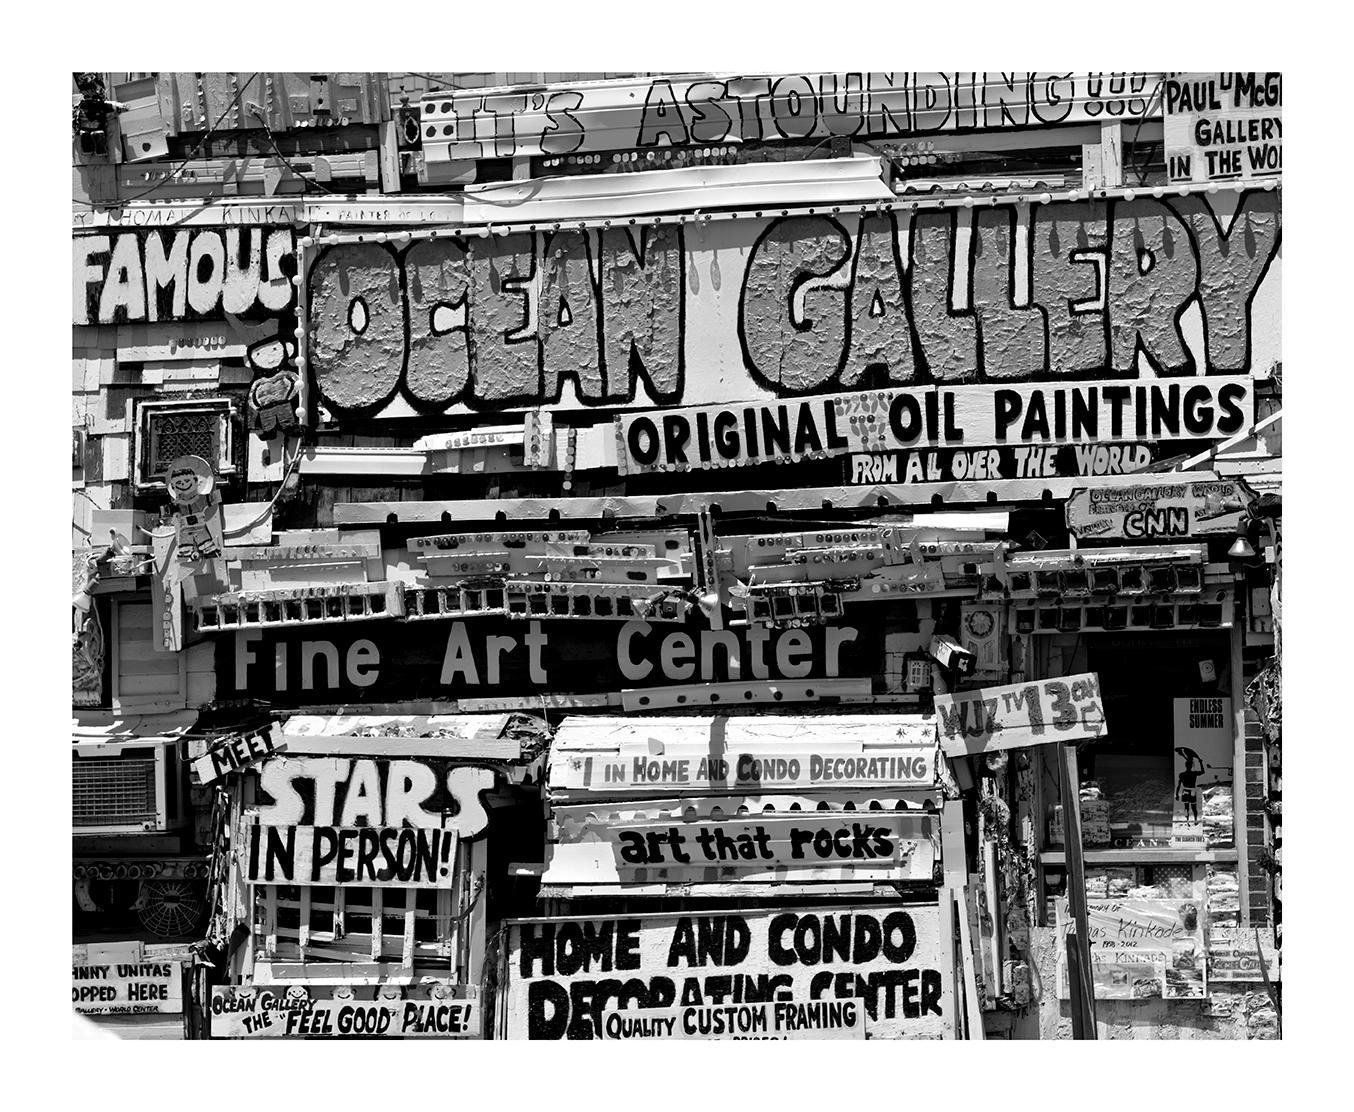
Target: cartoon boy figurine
<point>192,485</point>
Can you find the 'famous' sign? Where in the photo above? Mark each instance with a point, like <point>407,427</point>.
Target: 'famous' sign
<point>566,976</point>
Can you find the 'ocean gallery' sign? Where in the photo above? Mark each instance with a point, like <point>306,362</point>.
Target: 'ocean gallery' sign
<point>956,312</point>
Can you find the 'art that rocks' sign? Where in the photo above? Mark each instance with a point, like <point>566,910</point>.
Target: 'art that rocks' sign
<point>759,310</point>
<point>565,977</point>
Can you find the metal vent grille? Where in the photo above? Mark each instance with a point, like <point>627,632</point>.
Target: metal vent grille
<point>112,791</point>
<point>182,434</point>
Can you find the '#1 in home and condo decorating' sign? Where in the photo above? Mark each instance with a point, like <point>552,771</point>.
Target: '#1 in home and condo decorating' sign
<point>1066,709</point>
<point>1158,510</point>
<point>780,1019</point>
<point>563,977</point>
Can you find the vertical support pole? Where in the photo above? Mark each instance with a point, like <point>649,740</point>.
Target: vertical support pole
<point>1239,811</point>
<point>1078,945</point>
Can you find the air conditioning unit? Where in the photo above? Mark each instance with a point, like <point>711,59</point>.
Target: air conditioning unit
<point>134,787</point>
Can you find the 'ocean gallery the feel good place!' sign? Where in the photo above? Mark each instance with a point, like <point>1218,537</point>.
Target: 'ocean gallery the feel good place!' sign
<point>565,977</point>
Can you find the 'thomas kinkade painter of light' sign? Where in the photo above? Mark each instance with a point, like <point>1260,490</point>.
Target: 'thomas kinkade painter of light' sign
<point>1065,709</point>
<point>1158,510</point>
<point>564,978</point>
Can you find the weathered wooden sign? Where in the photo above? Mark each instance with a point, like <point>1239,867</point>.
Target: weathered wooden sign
<point>1236,954</point>
<point>780,1019</point>
<point>884,420</point>
<point>237,753</point>
<point>1158,510</point>
<point>125,277</point>
<point>678,756</point>
<point>418,795</point>
<point>1124,310</point>
<point>128,988</point>
<point>1223,126</point>
<point>372,857</point>
<point>562,119</point>
<point>294,1013</point>
<point>564,977</point>
<point>772,848</point>
<point>989,718</point>
<point>392,662</point>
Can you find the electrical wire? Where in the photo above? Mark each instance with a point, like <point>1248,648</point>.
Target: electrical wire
<point>187,159</point>
<point>272,142</point>
<point>287,473</point>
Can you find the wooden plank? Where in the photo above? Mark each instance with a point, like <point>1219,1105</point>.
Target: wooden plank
<point>377,923</point>
<point>410,907</point>
<point>303,934</point>
<point>1083,1000</point>
<point>270,918</point>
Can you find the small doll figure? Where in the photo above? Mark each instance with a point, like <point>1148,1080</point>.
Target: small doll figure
<point>192,485</point>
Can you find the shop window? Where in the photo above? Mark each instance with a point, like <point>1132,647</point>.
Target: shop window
<point>167,430</point>
<point>1138,789</point>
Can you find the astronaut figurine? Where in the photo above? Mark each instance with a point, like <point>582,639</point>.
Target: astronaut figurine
<point>192,486</point>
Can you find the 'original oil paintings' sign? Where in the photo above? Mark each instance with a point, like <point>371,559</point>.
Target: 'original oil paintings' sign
<point>128,988</point>
<point>840,424</point>
<point>737,315</point>
<point>298,1012</point>
<point>1158,510</point>
<point>1066,709</point>
<point>564,978</point>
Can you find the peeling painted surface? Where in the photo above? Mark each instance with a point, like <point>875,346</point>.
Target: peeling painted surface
<point>781,307</point>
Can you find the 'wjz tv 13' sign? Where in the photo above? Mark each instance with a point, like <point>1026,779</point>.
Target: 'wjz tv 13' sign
<point>755,309</point>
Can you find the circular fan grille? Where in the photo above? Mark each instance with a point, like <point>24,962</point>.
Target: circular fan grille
<point>171,908</point>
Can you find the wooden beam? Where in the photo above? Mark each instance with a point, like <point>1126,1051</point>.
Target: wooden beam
<point>1078,963</point>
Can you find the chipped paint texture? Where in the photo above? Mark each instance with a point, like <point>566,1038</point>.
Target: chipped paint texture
<point>1241,1011</point>
<point>737,310</point>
